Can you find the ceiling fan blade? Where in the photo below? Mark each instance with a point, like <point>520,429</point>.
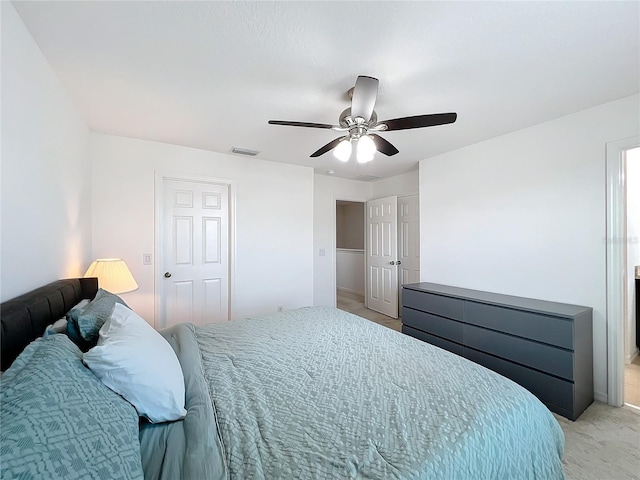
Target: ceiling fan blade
<point>300,124</point>
<point>383,146</point>
<point>329,146</point>
<point>431,120</point>
<point>364,97</point>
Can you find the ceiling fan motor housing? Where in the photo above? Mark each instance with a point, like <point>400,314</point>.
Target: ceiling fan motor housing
<point>356,128</point>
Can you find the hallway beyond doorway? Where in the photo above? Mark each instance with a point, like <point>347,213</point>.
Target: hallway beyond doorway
<point>632,383</point>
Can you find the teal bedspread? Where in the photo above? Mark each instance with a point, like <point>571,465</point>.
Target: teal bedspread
<point>58,421</point>
<point>318,393</point>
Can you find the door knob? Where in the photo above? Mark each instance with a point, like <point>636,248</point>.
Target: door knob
<point>167,274</point>
<point>398,262</point>
<point>392,263</point>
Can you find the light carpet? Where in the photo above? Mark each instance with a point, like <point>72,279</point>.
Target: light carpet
<point>603,444</point>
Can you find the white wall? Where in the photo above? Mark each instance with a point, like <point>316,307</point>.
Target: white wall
<point>46,176</point>
<point>633,248</point>
<point>273,219</point>
<point>524,214</point>
<point>400,185</point>
<point>326,191</point>
<point>350,225</point>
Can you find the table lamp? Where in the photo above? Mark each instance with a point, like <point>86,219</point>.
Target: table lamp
<point>113,275</point>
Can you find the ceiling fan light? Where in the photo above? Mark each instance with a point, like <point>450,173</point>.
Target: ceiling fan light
<point>364,159</point>
<point>366,149</point>
<point>343,151</point>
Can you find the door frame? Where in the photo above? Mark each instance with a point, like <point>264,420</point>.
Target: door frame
<point>160,177</point>
<point>616,265</point>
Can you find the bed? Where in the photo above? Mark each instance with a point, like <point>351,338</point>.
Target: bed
<point>313,393</point>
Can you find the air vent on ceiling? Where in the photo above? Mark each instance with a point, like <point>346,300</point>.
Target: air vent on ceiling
<point>244,151</point>
<point>366,178</point>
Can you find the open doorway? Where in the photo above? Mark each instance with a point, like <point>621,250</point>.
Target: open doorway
<point>350,247</point>
<point>632,278</point>
<point>621,246</point>
<point>350,263</point>
<point>351,255</point>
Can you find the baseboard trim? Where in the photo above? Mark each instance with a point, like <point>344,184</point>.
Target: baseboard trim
<point>600,397</point>
<point>343,289</point>
<point>634,355</point>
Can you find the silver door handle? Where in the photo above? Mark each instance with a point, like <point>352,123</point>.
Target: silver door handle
<point>167,274</point>
<point>392,263</point>
<point>398,262</point>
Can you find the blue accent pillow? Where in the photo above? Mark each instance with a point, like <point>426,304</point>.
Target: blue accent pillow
<point>84,325</point>
<point>59,420</point>
<point>72,329</point>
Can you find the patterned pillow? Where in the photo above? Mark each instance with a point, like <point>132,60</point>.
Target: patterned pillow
<point>86,324</point>
<point>59,420</point>
<point>72,325</point>
<point>72,329</point>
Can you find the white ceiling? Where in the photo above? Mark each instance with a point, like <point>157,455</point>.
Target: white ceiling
<point>210,74</point>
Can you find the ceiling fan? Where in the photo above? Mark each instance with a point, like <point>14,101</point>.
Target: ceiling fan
<point>360,122</point>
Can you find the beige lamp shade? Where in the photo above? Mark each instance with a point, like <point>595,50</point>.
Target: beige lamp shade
<point>113,275</point>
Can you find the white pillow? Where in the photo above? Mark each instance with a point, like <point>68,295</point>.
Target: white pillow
<point>133,360</point>
<point>60,326</point>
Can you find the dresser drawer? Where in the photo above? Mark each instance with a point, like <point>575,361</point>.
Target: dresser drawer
<point>440,326</point>
<point>550,390</point>
<point>532,354</point>
<point>433,340</point>
<point>436,304</point>
<point>543,328</point>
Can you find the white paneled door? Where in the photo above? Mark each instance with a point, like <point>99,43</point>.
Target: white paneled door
<point>409,240</point>
<point>382,256</point>
<point>194,257</point>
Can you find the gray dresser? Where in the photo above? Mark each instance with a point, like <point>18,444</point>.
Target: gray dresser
<point>546,347</point>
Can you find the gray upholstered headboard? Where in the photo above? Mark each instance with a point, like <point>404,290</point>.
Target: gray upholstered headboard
<point>25,318</point>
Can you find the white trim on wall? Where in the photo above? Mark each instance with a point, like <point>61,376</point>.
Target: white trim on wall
<point>615,248</point>
<point>160,176</point>
<point>350,277</point>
